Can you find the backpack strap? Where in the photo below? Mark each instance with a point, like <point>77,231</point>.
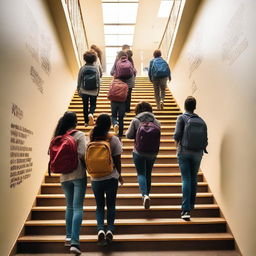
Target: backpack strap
<point>71,132</point>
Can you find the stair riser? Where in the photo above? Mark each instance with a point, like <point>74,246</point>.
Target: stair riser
<point>135,214</point>
<point>133,179</point>
<point>58,247</point>
<point>162,144</point>
<point>123,201</point>
<point>164,152</point>
<point>130,229</point>
<point>127,190</point>
<point>87,129</point>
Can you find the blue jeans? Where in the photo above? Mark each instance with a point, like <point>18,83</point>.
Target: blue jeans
<point>118,112</point>
<point>189,165</point>
<point>144,166</point>
<point>74,192</point>
<point>100,188</point>
<point>86,98</point>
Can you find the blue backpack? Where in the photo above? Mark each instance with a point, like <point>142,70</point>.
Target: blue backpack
<point>160,68</point>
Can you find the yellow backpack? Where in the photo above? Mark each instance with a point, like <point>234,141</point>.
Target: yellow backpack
<point>98,158</point>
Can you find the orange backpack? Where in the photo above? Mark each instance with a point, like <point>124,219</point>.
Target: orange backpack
<point>98,158</point>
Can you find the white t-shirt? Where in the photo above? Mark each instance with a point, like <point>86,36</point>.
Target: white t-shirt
<point>116,149</point>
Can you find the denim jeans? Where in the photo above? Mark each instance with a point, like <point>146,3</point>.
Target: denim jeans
<point>74,192</point>
<point>100,188</point>
<point>144,165</point>
<point>86,98</point>
<point>118,112</point>
<point>128,101</point>
<point>189,165</point>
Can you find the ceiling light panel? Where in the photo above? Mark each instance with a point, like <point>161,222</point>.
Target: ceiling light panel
<point>119,12</point>
<point>119,29</point>
<point>165,8</point>
<point>112,51</point>
<point>118,39</point>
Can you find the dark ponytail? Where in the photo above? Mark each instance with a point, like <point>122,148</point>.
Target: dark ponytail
<point>101,128</point>
<point>65,123</point>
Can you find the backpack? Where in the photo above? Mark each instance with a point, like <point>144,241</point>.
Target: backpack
<point>90,79</point>
<point>124,69</point>
<point>195,133</point>
<point>63,154</point>
<point>98,158</point>
<point>160,68</point>
<point>118,91</point>
<point>148,138</point>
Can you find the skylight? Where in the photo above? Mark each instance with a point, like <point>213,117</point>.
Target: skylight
<point>119,29</point>
<point>165,8</point>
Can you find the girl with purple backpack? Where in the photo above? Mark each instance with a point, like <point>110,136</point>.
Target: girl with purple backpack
<point>145,130</point>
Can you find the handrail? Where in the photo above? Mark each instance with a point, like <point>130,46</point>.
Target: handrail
<point>78,28</point>
<point>168,34</point>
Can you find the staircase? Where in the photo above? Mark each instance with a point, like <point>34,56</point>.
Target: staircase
<point>137,229</point>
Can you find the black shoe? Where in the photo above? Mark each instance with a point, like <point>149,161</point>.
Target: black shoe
<point>185,215</point>
<point>75,249</point>
<point>109,236</point>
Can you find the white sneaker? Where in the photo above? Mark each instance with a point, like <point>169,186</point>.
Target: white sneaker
<point>101,238</point>
<point>67,242</point>
<point>91,119</point>
<point>146,202</point>
<point>109,236</point>
<point>116,129</point>
<point>75,249</point>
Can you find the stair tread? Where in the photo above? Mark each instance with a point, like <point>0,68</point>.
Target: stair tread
<point>143,221</point>
<point>134,184</point>
<point>134,237</point>
<point>128,208</point>
<point>164,195</point>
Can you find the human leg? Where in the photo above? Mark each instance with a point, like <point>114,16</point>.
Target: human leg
<point>140,164</point>
<point>121,113</point>
<point>111,191</point>
<point>128,100</point>
<point>93,100</point>
<point>85,99</point>
<point>98,190</point>
<point>157,92</point>
<point>149,166</point>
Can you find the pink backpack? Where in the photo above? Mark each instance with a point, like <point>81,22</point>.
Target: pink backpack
<point>124,69</point>
<point>63,154</point>
<point>118,91</point>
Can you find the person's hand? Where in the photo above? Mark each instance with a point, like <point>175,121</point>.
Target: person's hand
<point>120,179</point>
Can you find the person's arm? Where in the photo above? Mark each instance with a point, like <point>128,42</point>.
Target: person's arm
<point>113,69</point>
<point>79,82</point>
<point>117,163</point>
<point>178,130</point>
<point>131,131</point>
<point>150,70</point>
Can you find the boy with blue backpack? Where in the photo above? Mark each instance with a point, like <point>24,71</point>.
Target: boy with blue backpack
<point>158,74</point>
<point>191,140</point>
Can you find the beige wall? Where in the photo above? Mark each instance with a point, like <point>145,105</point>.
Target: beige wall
<point>217,66</point>
<point>30,50</point>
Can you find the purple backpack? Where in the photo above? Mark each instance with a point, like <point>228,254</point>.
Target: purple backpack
<point>124,69</point>
<point>148,138</point>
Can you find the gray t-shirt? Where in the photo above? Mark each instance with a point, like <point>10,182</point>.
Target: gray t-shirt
<point>80,171</point>
<point>116,149</point>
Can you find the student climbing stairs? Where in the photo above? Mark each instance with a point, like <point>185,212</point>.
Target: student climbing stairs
<point>137,229</point>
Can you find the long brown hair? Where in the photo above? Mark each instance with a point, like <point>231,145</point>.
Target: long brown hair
<point>98,51</point>
<point>101,128</point>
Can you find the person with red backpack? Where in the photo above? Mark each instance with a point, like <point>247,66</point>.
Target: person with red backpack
<point>145,130</point>
<point>123,72</point>
<point>158,74</point>
<point>67,150</point>
<point>103,161</point>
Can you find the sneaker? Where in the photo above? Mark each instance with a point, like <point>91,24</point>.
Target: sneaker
<point>75,249</point>
<point>91,119</point>
<point>101,238</point>
<point>161,105</point>
<point>185,215</point>
<point>146,202</point>
<point>158,107</point>
<point>116,129</point>
<point>109,236</point>
<point>67,242</point>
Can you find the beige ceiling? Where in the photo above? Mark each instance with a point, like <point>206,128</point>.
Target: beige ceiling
<point>148,30</point>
